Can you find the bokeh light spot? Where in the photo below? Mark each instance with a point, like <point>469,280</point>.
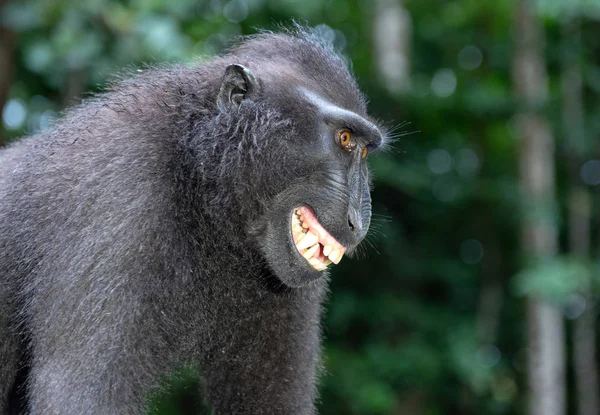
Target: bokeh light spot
<point>47,119</point>
<point>14,114</point>
<point>326,33</point>
<point>444,190</point>
<point>488,355</point>
<point>471,251</point>
<point>439,161</point>
<point>215,43</point>
<point>466,162</point>
<point>470,57</point>
<point>443,83</point>
<point>504,389</point>
<point>574,306</point>
<point>236,11</point>
<point>590,172</point>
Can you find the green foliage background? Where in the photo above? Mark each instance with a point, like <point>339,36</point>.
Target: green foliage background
<point>406,331</point>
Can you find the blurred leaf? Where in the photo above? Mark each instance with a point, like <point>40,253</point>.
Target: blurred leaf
<point>553,279</point>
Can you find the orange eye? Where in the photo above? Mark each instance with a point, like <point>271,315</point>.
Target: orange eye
<point>364,153</point>
<point>345,137</point>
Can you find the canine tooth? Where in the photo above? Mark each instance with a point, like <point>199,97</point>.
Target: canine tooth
<point>327,250</point>
<point>327,262</point>
<point>296,228</point>
<point>314,262</point>
<point>310,251</point>
<point>318,265</point>
<point>297,236</point>
<point>333,256</point>
<point>305,225</point>
<point>309,240</point>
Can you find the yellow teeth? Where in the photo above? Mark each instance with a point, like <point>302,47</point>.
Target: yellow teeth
<point>308,240</point>
<point>318,265</point>
<point>335,256</point>
<point>308,244</point>
<point>311,251</point>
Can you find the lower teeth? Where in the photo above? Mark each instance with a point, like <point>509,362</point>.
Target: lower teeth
<point>314,262</point>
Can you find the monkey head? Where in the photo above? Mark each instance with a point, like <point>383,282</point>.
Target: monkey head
<point>309,168</point>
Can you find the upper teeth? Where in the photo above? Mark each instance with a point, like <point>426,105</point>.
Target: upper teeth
<point>308,244</point>
<point>309,239</point>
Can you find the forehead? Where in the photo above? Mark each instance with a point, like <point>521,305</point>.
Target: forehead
<point>320,88</point>
<point>335,88</point>
<point>325,106</point>
<point>303,60</point>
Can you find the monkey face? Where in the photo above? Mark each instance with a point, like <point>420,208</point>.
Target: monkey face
<point>322,210</point>
<point>311,173</point>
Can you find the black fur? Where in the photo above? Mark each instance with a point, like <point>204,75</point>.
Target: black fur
<point>149,229</point>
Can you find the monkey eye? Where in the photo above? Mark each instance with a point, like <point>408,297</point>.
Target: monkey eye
<point>364,152</point>
<point>345,137</point>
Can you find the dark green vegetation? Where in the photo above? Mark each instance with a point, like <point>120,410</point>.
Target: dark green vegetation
<point>432,321</point>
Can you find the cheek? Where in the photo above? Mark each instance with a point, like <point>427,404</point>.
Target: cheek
<point>273,174</point>
<point>297,172</point>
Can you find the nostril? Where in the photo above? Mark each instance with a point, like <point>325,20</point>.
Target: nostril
<point>351,225</point>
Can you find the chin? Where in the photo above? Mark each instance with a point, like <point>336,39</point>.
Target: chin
<point>299,249</point>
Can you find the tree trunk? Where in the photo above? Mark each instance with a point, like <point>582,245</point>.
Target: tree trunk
<point>580,205</point>
<point>491,293</point>
<point>74,87</point>
<point>546,365</point>
<point>392,36</point>
<point>584,353</point>
<point>6,64</point>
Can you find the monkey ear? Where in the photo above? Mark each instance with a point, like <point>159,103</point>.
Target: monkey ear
<point>237,84</point>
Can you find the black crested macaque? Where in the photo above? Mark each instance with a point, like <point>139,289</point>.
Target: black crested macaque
<point>186,216</point>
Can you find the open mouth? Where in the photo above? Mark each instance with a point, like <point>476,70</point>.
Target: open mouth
<point>313,242</point>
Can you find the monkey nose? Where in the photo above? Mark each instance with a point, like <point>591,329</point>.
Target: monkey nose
<point>355,223</point>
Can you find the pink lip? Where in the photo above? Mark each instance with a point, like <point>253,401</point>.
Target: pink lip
<point>325,237</point>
